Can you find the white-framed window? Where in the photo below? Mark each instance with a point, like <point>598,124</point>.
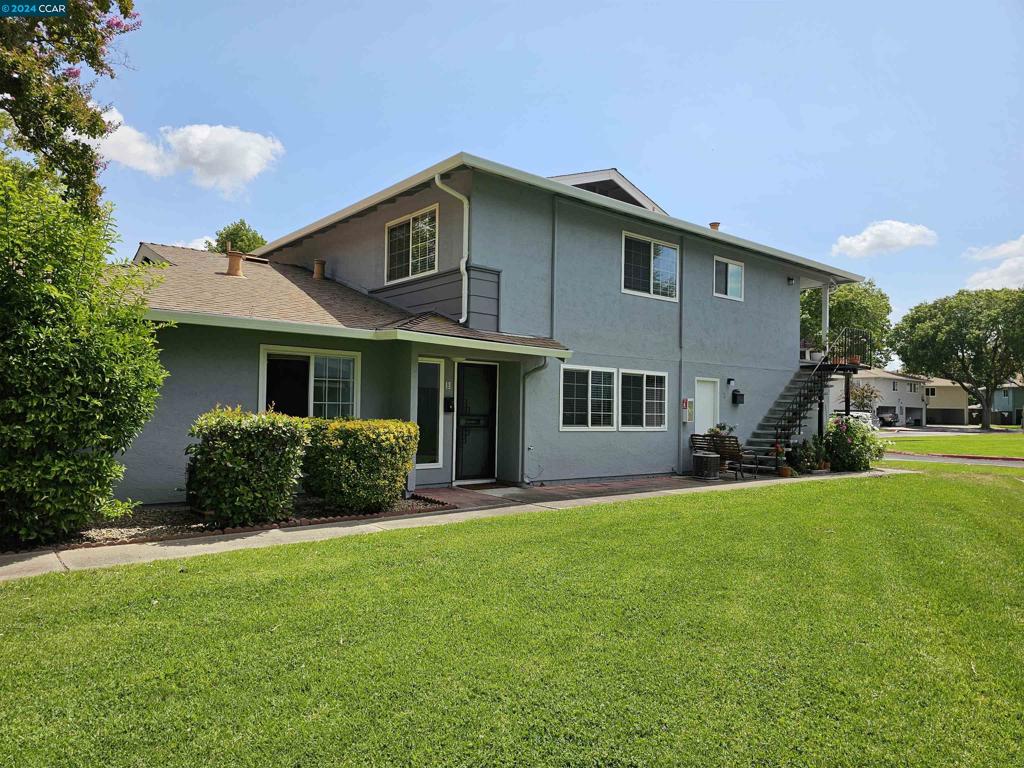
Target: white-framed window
<point>650,267</point>
<point>913,389</point>
<point>895,386</point>
<point>1006,393</point>
<point>642,400</point>
<point>929,391</point>
<point>410,245</point>
<point>729,278</point>
<point>587,396</point>
<point>300,381</point>
<point>430,412</point>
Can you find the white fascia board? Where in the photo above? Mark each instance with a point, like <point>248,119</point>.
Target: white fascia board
<point>565,190</point>
<point>342,332</point>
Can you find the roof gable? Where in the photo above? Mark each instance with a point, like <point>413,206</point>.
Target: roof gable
<point>610,183</point>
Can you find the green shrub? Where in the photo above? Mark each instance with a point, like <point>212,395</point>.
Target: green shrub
<point>245,467</point>
<point>79,367</point>
<point>851,445</point>
<point>359,465</point>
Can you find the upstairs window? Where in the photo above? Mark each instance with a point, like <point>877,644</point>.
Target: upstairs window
<point>895,386</point>
<point>642,400</point>
<point>412,245</point>
<point>913,389</point>
<point>728,279</point>
<point>929,391</point>
<point>588,398</point>
<point>649,267</point>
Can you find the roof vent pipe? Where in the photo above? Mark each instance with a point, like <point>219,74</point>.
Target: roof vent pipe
<point>235,259</point>
<point>318,269</point>
<point>715,225</point>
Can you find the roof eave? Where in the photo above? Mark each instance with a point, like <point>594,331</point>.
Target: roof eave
<point>340,331</point>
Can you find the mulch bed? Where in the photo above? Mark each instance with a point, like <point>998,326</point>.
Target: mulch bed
<point>161,522</point>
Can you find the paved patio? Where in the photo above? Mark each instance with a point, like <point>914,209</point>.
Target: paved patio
<point>498,502</point>
<point>467,497</point>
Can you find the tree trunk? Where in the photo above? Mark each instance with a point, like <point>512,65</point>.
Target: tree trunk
<point>986,409</point>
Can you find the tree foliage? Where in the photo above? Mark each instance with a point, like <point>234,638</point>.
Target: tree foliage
<point>855,305</point>
<point>969,337</point>
<point>863,396</point>
<point>241,236</point>
<point>42,59</point>
<point>79,366</point>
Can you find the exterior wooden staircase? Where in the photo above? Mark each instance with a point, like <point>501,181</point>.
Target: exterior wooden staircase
<point>848,350</point>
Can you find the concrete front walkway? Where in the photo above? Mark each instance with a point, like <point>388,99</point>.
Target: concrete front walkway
<point>18,566</point>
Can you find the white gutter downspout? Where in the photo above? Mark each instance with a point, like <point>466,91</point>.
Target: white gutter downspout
<point>465,242</point>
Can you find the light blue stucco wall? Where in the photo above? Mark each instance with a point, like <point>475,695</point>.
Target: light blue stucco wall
<point>211,366</point>
<point>755,341</point>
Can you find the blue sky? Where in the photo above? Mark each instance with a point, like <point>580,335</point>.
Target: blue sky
<point>794,124</point>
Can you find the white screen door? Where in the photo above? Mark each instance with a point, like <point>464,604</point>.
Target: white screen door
<point>706,405</point>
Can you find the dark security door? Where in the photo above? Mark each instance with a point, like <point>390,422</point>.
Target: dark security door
<point>476,414</point>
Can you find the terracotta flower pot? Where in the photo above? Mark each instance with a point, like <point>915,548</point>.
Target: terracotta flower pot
<point>785,471</point>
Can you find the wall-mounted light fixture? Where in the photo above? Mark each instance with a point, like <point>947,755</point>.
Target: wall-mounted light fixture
<point>730,382</point>
<point>790,281</point>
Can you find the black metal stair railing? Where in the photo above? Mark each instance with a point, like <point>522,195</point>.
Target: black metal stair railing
<point>849,348</point>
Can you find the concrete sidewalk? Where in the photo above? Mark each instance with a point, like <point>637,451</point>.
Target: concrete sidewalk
<point>26,564</point>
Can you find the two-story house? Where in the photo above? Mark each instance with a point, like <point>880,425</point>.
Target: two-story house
<point>537,329</point>
<point>946,402</point>
<point>901,397</point>
<point>1008,403</point>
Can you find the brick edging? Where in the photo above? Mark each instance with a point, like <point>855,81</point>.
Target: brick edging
<point>292,522</point>
<point>959,456</point>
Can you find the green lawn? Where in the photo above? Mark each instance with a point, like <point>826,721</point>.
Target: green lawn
<point>854,622</point>
<point>973,445</point>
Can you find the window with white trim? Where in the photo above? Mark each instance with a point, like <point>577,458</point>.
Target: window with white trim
<point>429,411</point>
<point>642,400</point>
<point>305,382</point>
<point>650,267</point>
<point>588,398</point>
<point>412,245</point>
<point>913,389</point>
<point>929,391</point>
<point>729,278</point>
<point>895,386</point>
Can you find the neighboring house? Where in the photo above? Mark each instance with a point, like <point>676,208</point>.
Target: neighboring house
<point>946,402</point>
<point>536,329</point>
<point>900,395</point>
<point>1008,403</point>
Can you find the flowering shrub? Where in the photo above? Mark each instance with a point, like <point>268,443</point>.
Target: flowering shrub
<point>721,428</point>
<point>851,445</point>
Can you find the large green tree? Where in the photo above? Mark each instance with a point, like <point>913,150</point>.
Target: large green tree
<point>855,305</point>
<point>42,61</point>
<point>241,236</point>
<point>79,365</point>
<point>967,337</point>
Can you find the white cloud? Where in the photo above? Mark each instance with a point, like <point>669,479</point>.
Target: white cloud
<point>220,157</point>
<point>884,237</point>
<point>199,243</point>
<point>131,147</point>
<point>1009,249</point>
<point>1009,274</point>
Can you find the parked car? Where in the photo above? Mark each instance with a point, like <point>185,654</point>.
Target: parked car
<point>866,416</point>
<point>888,419</point>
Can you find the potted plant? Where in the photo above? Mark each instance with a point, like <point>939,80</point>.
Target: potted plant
<point>821,462</point>
<point>779,452</point>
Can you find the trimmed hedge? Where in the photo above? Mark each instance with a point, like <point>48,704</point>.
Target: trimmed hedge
<point>359,464</point>
<point>245,468</point>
